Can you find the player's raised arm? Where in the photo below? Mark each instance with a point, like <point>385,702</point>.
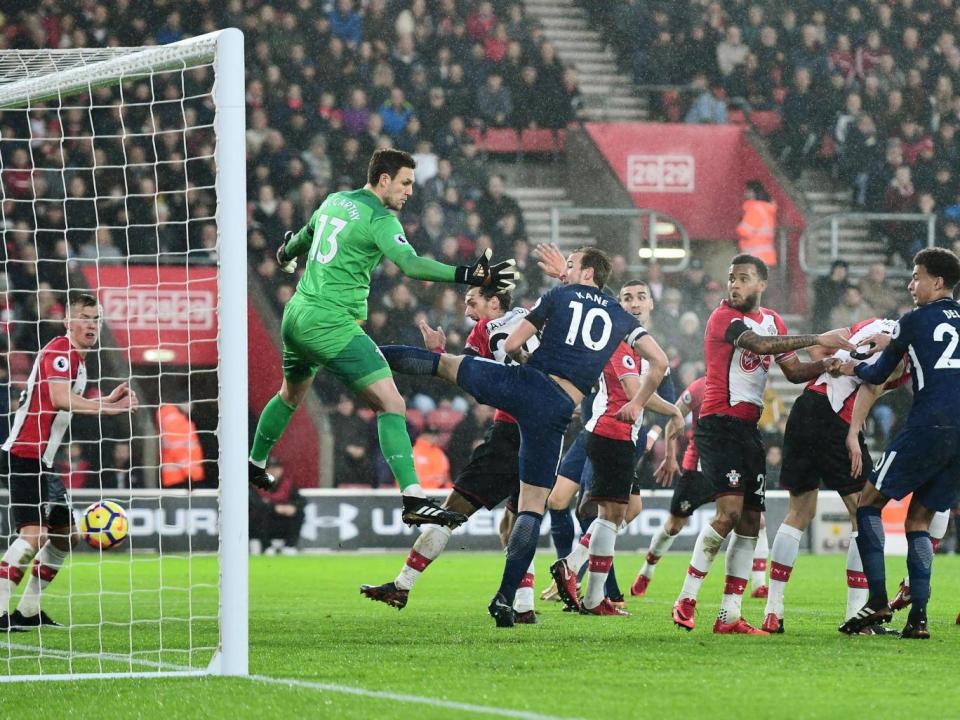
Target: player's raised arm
<point>648,348</point>
<point>390,239</point>
<point>747,339</point>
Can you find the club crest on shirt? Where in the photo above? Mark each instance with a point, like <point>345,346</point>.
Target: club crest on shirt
<point>733,479</point>
<point>750,362</point>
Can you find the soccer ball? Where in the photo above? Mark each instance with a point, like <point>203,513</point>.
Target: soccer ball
<point>104,525</point>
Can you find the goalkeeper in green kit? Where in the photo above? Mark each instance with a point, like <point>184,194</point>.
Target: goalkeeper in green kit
<point>343,242</point>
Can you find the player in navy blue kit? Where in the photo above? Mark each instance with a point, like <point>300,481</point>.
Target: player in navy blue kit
<point>924,457</point>
<point>580,327</point>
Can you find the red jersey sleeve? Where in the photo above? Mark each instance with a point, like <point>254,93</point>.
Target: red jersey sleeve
<point>60,361</point>
<point>782,330</point>
<point>624,362</point>
<point>478,340</point>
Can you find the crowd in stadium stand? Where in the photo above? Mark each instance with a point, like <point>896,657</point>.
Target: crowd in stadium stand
<point>869,89</point>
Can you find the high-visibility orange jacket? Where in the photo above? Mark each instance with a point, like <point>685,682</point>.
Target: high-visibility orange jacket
<point>431,463</point>
<point>181,457</point>
<point>756,232</point>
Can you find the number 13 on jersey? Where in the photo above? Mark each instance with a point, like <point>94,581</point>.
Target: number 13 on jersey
<point>335,227</point>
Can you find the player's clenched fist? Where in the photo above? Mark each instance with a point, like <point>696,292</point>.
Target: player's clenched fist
<point>287,264</point>
<point>482,274</point>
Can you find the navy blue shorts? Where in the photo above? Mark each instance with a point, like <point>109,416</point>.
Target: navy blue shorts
<point>541,407</point>
<point>924,461</point>
<point>571,467</point>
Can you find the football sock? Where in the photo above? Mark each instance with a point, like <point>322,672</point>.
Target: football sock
<point>520,551</point>
<point>561,530</point>
<point>273,421</point>
<point>786,546</point>
<point>426,549</point>
<point>919,564</point>
<point>739,561</point>
<point>523,602</point>
<point>612,588</point>
<point>398,452</point>
<point>409,360</point>
<point>45,568</point>
<point>870,540</point>
<point>759,577</point>
<point>580,553</point>
<point>856,580</point>
<point>603,538</point>
<point>704,553</point>
<point>659,545</point>
<point>14,561</point>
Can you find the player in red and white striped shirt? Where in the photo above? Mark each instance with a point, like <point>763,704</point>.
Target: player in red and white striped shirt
<point>814,452</point>
<point>739,340</point>
<point>41,510</point>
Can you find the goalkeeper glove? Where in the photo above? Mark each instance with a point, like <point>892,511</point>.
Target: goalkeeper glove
<point>287,264</point>
<point>482,274</point>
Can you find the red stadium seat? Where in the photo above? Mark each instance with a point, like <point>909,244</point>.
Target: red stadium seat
<point>501,140</point>
<point>542,141</point>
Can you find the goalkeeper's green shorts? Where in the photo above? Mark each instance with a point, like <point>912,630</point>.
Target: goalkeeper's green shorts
<point>313,339</point>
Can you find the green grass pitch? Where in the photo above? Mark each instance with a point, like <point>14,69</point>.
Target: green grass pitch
<point>309,623</point>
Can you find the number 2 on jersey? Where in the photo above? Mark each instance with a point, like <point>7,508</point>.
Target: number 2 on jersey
<point>947,361</point>
<point>584,326</point>
<point>316,251</point>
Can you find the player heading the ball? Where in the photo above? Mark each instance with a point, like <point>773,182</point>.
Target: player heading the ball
<point>344,240</point>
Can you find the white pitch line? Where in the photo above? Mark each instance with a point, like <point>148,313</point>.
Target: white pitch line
<point>399,697</point>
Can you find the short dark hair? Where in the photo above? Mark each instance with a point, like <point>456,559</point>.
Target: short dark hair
<point>504,296</point>
<point>941,263</point>
<point>598,261</point>
<point>635,281</point>
<point>83,299</point>
<point>745,259</point>
<point>389,161</point>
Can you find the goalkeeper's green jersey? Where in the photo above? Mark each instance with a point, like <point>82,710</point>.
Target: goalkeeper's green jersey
<point>344,240</point>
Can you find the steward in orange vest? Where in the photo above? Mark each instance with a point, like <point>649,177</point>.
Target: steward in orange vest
<point>757,230</point>
<point>181,456</point>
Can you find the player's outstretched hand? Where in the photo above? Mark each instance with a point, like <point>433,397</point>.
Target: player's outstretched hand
<point>287,264</point>
<point>834,341</point>
<point>435,340</point>
<point>501,275</point>
<point>856,456</point>
<point>551,260</point>
<point>872,345</point>
<point>666,471</point>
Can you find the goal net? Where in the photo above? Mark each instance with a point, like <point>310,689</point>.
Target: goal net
<point>122,173</point>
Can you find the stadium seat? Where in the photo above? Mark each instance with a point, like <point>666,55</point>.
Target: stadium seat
<point>500,141</point>
<point>542,141</point>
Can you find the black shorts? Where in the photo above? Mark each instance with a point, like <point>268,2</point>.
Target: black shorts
<point>691,492</point>
<point>37,497</point>
<point>612,468</point>
<point>493,473</point>
<point>732,458</point>
<point>815,450</point>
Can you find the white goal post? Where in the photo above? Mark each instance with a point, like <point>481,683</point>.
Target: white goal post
<point>38,82</point>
